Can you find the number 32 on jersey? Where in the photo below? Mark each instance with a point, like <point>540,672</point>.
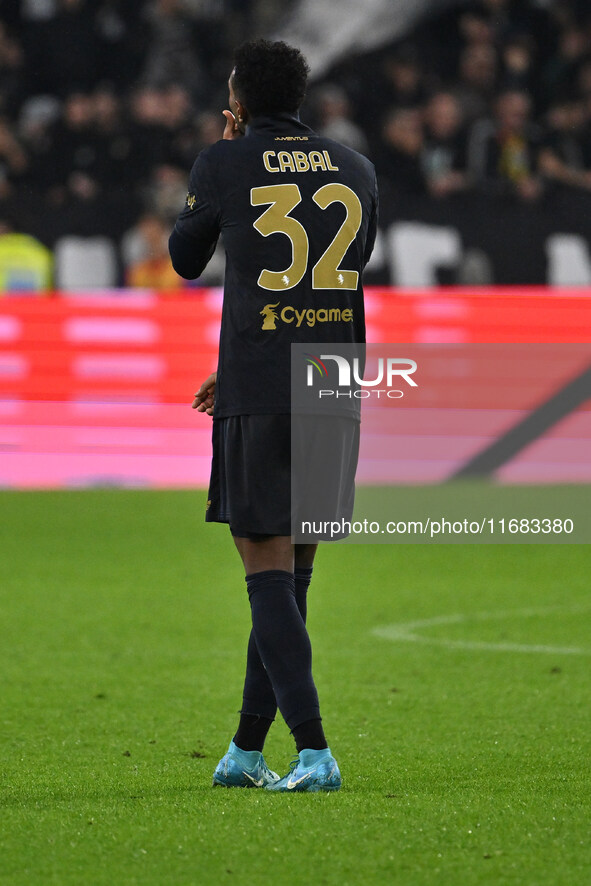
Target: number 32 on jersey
<point>326,273</point>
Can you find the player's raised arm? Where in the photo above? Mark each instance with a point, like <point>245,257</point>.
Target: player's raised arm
<point>195,234</point>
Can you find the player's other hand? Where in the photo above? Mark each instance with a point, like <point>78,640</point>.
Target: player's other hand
<point>205,396</point>
<point>232,130</point>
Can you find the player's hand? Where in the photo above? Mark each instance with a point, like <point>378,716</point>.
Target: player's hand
<point>231,130</point>
<point>205,396</point>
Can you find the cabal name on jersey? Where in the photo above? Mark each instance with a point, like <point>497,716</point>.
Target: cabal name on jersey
<point>298,161</point>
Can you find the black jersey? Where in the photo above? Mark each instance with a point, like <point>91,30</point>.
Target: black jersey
<point>297,213</point>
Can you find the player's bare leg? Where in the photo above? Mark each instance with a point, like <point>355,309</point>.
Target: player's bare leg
<point>304,556</point>
<point>274,552</point>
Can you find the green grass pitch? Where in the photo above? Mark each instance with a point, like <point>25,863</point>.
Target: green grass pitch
<point>124,624</point>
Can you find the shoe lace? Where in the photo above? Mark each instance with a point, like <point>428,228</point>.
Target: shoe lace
<point>294,763</point>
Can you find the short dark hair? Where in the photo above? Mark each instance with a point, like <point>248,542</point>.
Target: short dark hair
<point>269,77</point>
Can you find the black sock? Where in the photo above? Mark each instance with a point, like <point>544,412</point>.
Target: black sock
<point>252,732</point>
<point>258,698</point>
<point>303,577</point>
<point>258,693</point>
<point>283,644</point>
<point>310,735</point>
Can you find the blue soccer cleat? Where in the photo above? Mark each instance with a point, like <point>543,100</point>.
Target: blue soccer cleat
<point>243,769</point>
<point>311,771</point>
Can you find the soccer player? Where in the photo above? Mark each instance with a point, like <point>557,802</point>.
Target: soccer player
<point>297,214</point>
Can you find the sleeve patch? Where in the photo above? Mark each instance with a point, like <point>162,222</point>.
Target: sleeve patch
<point>191,201</point>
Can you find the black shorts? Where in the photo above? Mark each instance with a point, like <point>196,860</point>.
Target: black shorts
<point>252,476</point>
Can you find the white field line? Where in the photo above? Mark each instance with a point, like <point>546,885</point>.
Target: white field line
<point>408,632</point>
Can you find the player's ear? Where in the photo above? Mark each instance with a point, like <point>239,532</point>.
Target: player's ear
<point>241,112</point>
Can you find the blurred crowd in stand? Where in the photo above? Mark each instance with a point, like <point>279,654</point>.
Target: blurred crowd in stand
<point>104,105</point>
<point>493,95</point>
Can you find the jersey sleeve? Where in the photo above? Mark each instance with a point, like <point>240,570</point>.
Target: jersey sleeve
<point>373,225</point>
<point>196,232</point>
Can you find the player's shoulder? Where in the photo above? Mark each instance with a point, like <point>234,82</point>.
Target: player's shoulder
<point>210,164</point>
<point>223,153</point>
<point>349,157</point>
<point>344,151</point>
<point>215,152</point>
<point>219,152</point>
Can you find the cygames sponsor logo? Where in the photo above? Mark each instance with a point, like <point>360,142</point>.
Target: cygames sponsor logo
<point>303,316</point>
